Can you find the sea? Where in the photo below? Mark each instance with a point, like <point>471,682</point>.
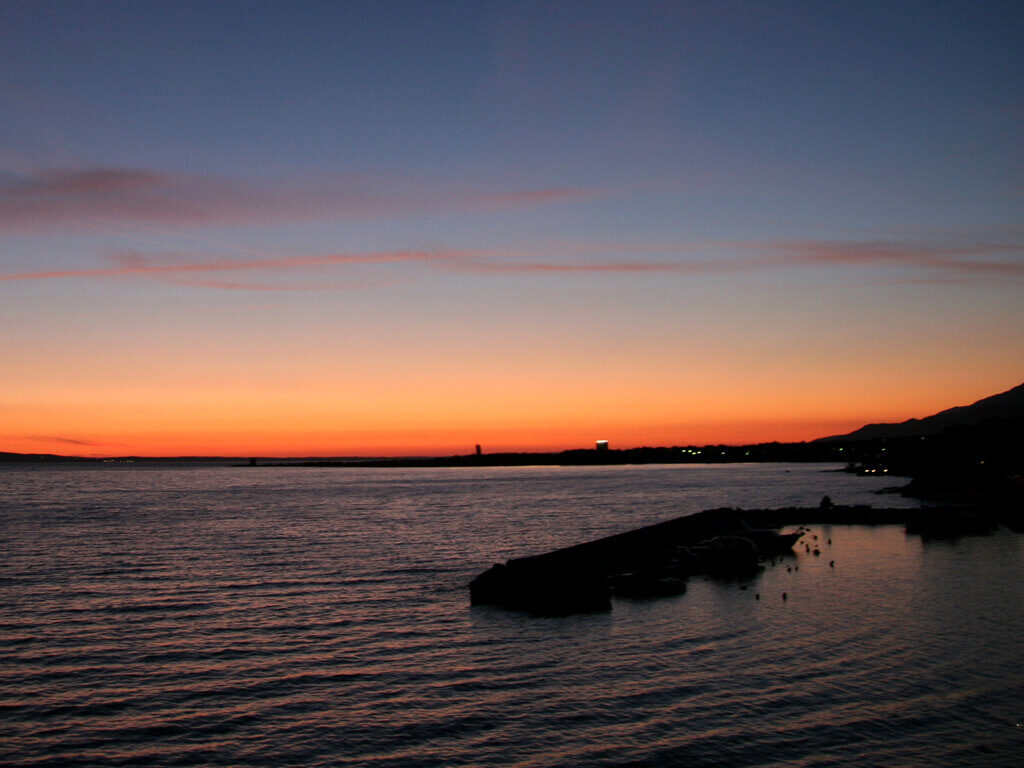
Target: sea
<point>299,616</point>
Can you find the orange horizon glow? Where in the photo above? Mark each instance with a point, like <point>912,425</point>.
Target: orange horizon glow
<point>415,444</point>
<point>277,441</point>
<point>440,414</point>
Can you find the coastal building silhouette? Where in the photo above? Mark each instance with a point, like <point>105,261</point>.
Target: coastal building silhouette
<point>602,445</point>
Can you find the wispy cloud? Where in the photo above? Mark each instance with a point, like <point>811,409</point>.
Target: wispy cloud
<point>917,262</point>
<point>241,285</point>
<point>64,196</point>
<point>82,196</point>
<point>861,251</point>
<point>172,268</point>
<point>965,257</point>
<point>133,264</point>
<point>58,439</point>
<point>953,259</point>
<point>619,267</point>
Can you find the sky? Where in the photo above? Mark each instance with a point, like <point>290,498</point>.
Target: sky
<point>407,228</point>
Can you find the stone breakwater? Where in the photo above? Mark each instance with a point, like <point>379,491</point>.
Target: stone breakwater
<point>726,543</point>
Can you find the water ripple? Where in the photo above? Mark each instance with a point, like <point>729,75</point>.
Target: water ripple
<point>306,618</point>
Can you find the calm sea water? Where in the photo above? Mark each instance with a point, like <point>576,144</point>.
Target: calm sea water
<point>319,617</point>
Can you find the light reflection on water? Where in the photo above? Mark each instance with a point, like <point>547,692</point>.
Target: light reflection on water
<point>318,617</point>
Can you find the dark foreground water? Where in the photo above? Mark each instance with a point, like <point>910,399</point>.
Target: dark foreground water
<point>318,617</point>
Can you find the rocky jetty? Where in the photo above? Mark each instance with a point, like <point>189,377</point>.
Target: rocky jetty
<point>657,560</point>
<point>646,562</point>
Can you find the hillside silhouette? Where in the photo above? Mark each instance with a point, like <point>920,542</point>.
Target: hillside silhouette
<point>1006,405</point>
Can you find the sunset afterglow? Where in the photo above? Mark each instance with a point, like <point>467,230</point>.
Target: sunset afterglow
<point>402,229</point>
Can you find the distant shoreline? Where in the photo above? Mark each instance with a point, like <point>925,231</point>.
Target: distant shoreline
<point>707,454</point>
<point>717,454</point>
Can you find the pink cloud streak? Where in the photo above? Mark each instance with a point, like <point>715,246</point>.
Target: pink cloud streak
<point>621,267</point>
<point>140,265</point>
<point>942,260</point>
<point>69,196</point>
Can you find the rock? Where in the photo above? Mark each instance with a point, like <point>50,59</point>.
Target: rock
<point>642,584</point>
<point>541,591</point>
<point>731,556</point>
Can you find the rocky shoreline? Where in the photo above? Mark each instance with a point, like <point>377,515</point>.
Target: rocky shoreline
<point>725,543</point>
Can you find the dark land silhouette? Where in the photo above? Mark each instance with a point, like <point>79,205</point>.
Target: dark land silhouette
<point>1005,405</point>
<point>27,457</point>
<point>705,454</point>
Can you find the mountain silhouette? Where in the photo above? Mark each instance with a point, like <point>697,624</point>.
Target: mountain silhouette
<point>1006,405</point>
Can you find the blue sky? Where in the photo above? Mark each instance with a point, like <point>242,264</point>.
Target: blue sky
<point>823,191</point>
